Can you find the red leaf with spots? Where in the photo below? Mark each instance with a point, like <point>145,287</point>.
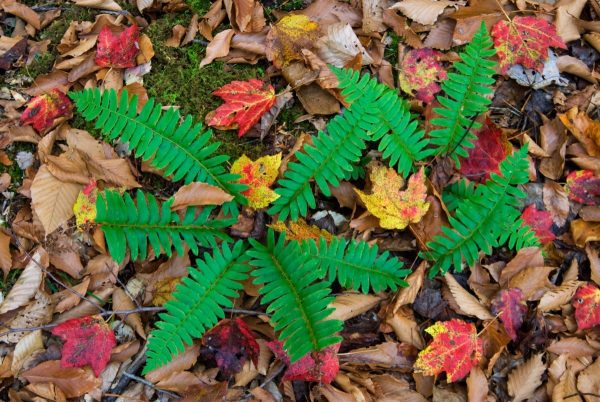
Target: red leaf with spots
<point>455,349</point>
<point>540,222</point>
<point>525,41</point>
<point>42,110</point>
<point>245,103</point>
<point>583,187</point>
<point>120,50</point>
<point>587,306</point>
<point>510,305</point>
<point>490,149</point>
<point>230,344</point>
<point>88,341</point>
<point>420,73</point>
<point>324,369</point>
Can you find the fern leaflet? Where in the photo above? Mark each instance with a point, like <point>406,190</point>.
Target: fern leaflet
<point>465,98</point>
<point>356,264</point>
<point>197,303</point>
<point>126,224</point>
<point>298,303</point>
<point>182,150</point>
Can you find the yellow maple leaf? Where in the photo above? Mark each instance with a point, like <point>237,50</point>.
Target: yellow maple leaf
<point>395,209</point>
<point>301,230</point>
<point>85,205</point>
<point>289,36</point>
<point>259,175</point>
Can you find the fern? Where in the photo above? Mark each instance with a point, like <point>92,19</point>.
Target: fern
<point>298,303</point>
<point>126,224</point>
<point>375,114</point>
<point>457,192</point>
<point>356,264</point>
<point>465,98</point>
<point>182,150</point>
<point>197,303</point>
<point>483,220</point>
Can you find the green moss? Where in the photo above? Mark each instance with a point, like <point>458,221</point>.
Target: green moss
<point>199,6</point>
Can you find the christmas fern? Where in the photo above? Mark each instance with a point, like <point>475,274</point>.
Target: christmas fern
<point>356,265</point>
<point>465,98</point>
<point>486,218</point>
<point>298,302</point>
<point>135,224</point>
<point>182,150</point>
<point>198,303</point>
<point>375,113</point>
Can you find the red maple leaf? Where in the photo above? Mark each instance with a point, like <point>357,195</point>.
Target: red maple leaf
<point>421,70</point>
<point>245,103</point>
<point>88,341</point>
<point>120,50</point>
<point>587,306</point>
<point>490,149</point>
<point>455,349</point>
<point>540,222</point>
<point>324,369</point>
<point>230,343</point>
<point>510,305</point>
<point>42,110</point>
<point>583,187</point>
<point>525,41</point>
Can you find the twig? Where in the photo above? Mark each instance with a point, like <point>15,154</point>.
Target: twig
<point>135,365</point>
<point>149,384</point>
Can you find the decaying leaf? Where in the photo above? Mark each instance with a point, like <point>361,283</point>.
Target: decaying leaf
<point>394,208</point>
<point>288,37</point>
<point>525,41</point>
<point>118,51</point>
<point>510,305</point>
<point>583,186</point>
<point>245,103</point>
<point>455,349</point>
<point>43,109</point>
<point>540,222</point>
<point>230,344</point>
<point>322,367</point>
<point>85,204</point>
<point>491,147</point>
<point>259,175</point>
<point>587,306</point>
<point>420,73</point>
<point>586,130</point>
<point>525,378</point>
<point>301,230</point>
<point>88,341</point>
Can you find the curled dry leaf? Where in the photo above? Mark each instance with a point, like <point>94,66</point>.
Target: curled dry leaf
<point>477,385</point>
<point>122,301</point>
<point>408,294</point>
<point>340,47</point>
<point>424,12</point>
<point>218,47</point>
<point>573,347</point>
<point>585,129</point>
<point>558,297</point>
<point>197,194</point>
<point>525,378</point>
<point>24,349</point>
<point>28,283</point>
<point>349,305</point>
<point>5,257</point>
<point>465,300</point>
<point>556,202</point>
<point>588,381</point>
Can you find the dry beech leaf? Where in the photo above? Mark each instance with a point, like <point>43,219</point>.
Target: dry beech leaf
<point>24,348</point>
<point>5,257</point>
<point>122,301</point>
<point>586,130</point>
<point>28,283</point>
<point>196,194</point>
<point>477,385</point>
<point>23,12</point>
<point>575,66</point>
<point>466,301</point>
<point>66,299</point>
<point>176,36</point>
<point>594,257</point>
<point>349,305</point>
<point>588,381</point>
<point>73,382</point>
<point>573,347</point>
<point>566,389</point>
<point>143,4</point>
<point>110,5</point>
<point>218,47</point>
<point>341,46</point>
<point>180,363</point>
<point>424,12</point>
<point>52,199</point>
<point>556,202</point>
<point>37,313</point>
<point>525,378</point>
<point>555,298</point>
<point>408,294</point>
<point>46,390</point>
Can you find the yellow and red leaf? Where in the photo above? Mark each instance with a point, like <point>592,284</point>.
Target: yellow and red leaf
<point>259,175</point>
<point>587,306</point>
<point>42,110</point>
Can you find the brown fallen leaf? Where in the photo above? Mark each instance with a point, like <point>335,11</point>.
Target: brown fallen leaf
<point>28,283</point>
<point>73,382</point>
<point>477,385</point>
<point>22,11</point>
<point>25,348</point>
<point>197,194</point>
<point>218,47</point>
<point>466,301</point>
<point>586,130</point>
<point>588,381</point>
<point>556,201</point>
<point>122,301</point>
<point>584,232</point>
<point>573,347</point>
<point>176,36</point>
<point>526,257</point>
<point>340,47</point>
<point>386,355</point>
<point>424,12</point>
<point>349,305</point>
<point>525,378</point>
<point>408,294</point>
<point>558,297</point>
<point>109,5</point>
<point>5,257</point>
<point>66,299</point>
<point>37,313</point>
<point>533,281</point>
<point>180,363</point>
<point>575,66</point>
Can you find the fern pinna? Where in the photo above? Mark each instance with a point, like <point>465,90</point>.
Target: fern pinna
<point>375,113</point>
<point>135,224</point>
<point>484,219</point>
<point>182,150</point>
<point>465,98</point>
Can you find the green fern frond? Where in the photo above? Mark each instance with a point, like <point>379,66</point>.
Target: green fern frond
<point>180,149</point>
<point>457,192</point>
<point>298,303</point>
<point>134,224</point>
<point>400,140</point>
<point>356,264</point>
<point>198,302</point>
<point>465,98</point>
<point>481,221</point>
